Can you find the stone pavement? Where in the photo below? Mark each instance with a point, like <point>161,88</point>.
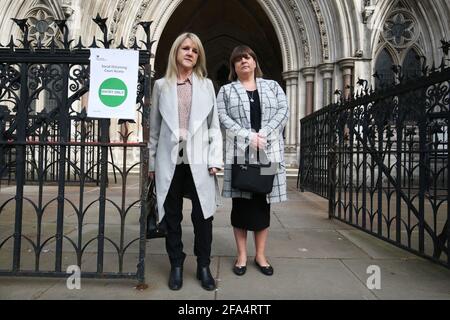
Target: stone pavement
<point>313,258</point>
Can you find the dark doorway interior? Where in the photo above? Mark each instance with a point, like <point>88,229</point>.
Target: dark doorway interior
<point>222,25</point>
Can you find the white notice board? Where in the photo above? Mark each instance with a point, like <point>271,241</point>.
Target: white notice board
<point>113,83</point>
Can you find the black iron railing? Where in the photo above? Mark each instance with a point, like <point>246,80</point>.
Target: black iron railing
<point>382,160</point>
<point>68,215</point>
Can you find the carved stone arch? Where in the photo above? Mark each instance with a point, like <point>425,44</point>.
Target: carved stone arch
<point>287,33</point>
<point>284,24</point>
<point>333,22</point>
<point>347,32</point>
<point>323,28</point>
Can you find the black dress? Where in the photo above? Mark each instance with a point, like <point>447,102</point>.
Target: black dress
<point>252,214</point>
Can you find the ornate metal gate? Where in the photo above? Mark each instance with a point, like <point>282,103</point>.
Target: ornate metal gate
<point>47,223</point>
<point>382,160</point>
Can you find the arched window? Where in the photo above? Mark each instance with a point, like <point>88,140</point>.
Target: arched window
<point>383,68</point>
<point>398,45</point>
<point>411,65</point>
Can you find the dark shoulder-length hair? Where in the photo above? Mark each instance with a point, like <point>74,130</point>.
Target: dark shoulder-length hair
<point>236,55</point>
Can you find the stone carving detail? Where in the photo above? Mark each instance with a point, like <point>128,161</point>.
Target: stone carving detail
<point>66,6</point>
<point>143,7</point>
<point>400,29</point>
<point>42,25</point>
<point>116,17</point>
<point>301,26</point>
<point>368,10</point>
<point>322,29</point>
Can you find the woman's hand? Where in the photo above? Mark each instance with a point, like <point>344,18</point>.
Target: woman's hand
<point>254,140</point>
<point>262,141</point>
<point>213,171</point>
<point>151,174</point>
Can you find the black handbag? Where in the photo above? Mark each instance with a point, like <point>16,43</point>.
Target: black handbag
<point>155,229</point>
<point>252,177</point>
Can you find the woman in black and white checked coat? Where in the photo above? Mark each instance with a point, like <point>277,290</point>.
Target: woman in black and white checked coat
<point>253,112</point>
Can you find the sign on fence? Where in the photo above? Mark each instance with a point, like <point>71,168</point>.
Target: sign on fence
<point>113,85</point>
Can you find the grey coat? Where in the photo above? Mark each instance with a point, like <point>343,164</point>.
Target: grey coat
<point>234,113</point>
<point>204,141</point>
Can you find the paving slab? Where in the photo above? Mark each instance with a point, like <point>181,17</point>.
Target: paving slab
<point>293,279</point>
<point>407,279</point>
<point>374,247</point>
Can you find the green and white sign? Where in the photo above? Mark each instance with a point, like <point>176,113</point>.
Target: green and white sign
<point>113,92</point>
<point>113,84</point>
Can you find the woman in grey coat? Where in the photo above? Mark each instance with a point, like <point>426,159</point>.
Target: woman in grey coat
<point>185,154</point>
<point>253,112</point>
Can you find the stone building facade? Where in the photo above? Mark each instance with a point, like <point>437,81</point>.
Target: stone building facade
<point>312,47</point>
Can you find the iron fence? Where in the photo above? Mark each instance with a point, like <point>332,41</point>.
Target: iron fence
<point>68,215</point>
<point>381,159</point>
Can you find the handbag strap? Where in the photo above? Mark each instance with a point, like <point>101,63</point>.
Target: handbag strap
<point>246,152</point>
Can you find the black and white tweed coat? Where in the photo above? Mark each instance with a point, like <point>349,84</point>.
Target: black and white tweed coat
<point>234,114</point>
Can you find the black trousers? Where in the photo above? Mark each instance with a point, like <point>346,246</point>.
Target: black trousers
<point>183,183</point>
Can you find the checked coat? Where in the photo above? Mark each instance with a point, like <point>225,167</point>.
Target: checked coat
<point>234,114</point>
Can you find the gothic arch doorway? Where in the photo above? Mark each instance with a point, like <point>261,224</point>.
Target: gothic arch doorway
<point>222,25</point>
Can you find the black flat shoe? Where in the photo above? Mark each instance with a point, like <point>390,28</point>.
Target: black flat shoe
<point>176,278</point>
<point>207,280</point>
<point>239,270</point>
<point>267,270</point>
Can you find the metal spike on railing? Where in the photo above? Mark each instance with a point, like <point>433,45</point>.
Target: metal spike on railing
<point>65,32</point>
<point>11,44</point>
<point>39,43</point>
<point>135,46</point>
<point>101,22</point>
<point>364,86</point>
<point>443,64</point>
<point>79,46</point>
<point>146,26</point>
<point>121,45</point>
<point>53,45</point>
<point>94,43</point>
<point>433,67</point>
<point>22,24</point>
<point>151,44</point>
<point>445,47</point>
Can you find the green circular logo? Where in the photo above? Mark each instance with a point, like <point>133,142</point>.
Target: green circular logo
<point>113,92</point>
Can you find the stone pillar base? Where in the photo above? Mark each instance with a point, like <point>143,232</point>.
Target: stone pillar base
<point>291,156</point>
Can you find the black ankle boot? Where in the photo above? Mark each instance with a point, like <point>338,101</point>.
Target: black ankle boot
<point>176,278</point>
<point>207,280</point>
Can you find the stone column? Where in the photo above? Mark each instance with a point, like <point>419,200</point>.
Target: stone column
<point>309,75</point>
<point>347,66</point>
<point>327,70</point>
<point>291,78</point>
<point>290,133</point>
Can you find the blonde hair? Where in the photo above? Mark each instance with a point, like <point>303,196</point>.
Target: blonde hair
<point>200,66</point>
